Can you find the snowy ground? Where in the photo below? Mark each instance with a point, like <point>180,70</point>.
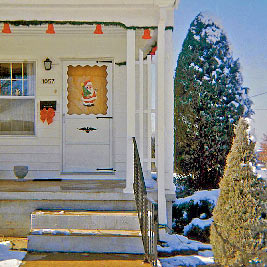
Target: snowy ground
<point>10,258</point>
<point>181,244</point>
<point>201,254</point>
<point>193,260</point>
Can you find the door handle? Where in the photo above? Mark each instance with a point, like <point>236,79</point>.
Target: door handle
<point>99,117</point>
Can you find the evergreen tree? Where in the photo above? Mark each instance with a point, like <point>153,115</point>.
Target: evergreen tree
<point>263,152</point>
<point>209,99</point>
<point>237,234</point>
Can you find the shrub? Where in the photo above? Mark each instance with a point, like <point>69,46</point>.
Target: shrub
<point>237,234</point>
<point>184,185</point>
<point>184,213</point>
<point>200,234</point>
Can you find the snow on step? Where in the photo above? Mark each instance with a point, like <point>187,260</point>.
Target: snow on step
<point>94,241</point>
<point>88,220</point>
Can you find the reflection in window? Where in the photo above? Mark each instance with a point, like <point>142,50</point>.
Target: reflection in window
<point>17,79</point>
<point>17,100</point>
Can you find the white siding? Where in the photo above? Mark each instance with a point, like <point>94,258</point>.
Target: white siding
<point>42,153</point>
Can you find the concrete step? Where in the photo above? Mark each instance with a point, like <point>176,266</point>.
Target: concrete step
<point>92,241</point>
<point>86,220</point>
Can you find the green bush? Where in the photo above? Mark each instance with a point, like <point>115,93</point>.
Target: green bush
<point>184,213</point>
<point>184,185</point>
<point>237,234</point>
<point>197,233</point>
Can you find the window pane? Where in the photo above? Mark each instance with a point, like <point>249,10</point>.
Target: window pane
<point>5,71</point>
<point>5,87</point>
<point>16,87</point>
<point>17,70</point>
<point>16,116</point>
<point>25,89</point>
<point>29,79</point>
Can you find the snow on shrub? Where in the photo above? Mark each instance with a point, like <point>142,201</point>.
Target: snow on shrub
<point>187,210</point>
<point>196,222</point>
<point>198,229</point>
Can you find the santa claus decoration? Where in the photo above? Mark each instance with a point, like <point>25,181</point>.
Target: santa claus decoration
<point>88,93</point>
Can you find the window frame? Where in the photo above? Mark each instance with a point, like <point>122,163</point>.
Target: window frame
<point>9,61</point>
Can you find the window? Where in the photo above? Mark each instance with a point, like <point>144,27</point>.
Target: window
<point>17,98</point>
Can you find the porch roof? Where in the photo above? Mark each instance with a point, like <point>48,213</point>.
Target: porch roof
<point>141,13</point>
<point>91,2</point>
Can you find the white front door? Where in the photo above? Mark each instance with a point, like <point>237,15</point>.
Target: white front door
<point>87,116</point>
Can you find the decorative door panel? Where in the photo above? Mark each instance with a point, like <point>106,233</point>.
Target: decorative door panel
<point>79,131</point>
<point>87,116</point>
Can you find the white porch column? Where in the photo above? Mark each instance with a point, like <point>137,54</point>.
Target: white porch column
<point>141,107</point>
<point>169,100</point>
<point>149,89</point>
<point>162,211</point>
<point>130,110</point>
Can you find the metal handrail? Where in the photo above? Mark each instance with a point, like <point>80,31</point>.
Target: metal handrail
<point>147,211</point>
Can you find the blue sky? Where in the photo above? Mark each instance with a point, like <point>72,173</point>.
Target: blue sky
<point>245,24</point>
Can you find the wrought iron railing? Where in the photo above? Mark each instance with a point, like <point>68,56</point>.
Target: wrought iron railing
<point>146,211</point>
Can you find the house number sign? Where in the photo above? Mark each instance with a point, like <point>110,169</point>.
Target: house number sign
<point>48,81</point>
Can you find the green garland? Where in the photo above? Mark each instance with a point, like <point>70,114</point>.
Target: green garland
<point>41,22</point>
<point>123,63</point>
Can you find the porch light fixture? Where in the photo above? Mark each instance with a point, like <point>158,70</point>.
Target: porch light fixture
<point>6,28</point>
<point>50,29</point>
<point>146,34</point>
<point>98,29</point>
<point>47,64</point>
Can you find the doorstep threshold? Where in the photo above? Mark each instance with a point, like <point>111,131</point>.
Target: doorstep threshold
<point>89,173</point>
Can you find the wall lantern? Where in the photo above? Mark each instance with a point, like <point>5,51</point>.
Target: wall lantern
<point>47,64</point>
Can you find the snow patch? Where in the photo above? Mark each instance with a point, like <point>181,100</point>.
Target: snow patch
<point>186,261</point>
<point>9,258</point>
<point>199,223</point>
<point>208,195</point>
<point>180,243</point>
<point>50,231</point>
<point>205,253</point>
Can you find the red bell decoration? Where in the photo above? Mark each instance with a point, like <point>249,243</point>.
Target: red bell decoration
<point>98,29</point>
<point>50,29</point>
<point>146,34</point>
<point>153,51</point>
<point>6,28</point>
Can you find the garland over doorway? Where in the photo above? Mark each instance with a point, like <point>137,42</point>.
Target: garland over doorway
<point>64,22</point>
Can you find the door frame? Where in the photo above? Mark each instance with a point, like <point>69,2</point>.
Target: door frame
<point>110,69</point>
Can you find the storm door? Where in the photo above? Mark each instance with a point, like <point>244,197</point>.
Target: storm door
<point>87,116</point>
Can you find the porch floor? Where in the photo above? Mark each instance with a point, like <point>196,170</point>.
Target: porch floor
<point>93,186</point>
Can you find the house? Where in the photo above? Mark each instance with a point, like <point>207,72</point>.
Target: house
<point>78,80</point>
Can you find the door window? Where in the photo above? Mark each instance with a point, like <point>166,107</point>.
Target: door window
<point>87,90</point>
